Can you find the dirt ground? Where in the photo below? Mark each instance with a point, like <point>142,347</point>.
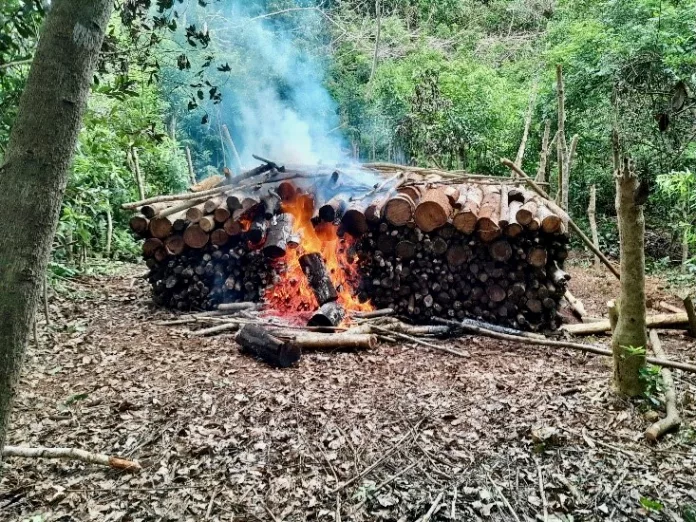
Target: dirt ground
<point>383,435</point>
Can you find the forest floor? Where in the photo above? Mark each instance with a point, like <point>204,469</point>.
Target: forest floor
<point>224,437</point>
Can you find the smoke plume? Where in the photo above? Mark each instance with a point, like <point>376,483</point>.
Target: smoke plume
<point>274,100</point>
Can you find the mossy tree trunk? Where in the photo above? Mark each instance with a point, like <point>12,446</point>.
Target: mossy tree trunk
<point>34,173</point>
<point>631,331</point>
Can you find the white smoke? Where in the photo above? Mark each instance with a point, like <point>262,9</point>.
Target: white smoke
<point>275,102</point>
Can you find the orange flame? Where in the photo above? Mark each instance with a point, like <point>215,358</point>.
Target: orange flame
<point>292,293</point>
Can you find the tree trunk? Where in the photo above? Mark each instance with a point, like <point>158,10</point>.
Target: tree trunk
<point>592,216</point>
<point>561,145</point>
<point>375,57</point>
<point>685,248</point>
<point>138,173</point>
<point>109,231</point>
<point>631,329</point>
<point>34,175</point>
<point>189,162</point>
<point>228,137</point>
<point>544,156</point>
<point>525,132</point>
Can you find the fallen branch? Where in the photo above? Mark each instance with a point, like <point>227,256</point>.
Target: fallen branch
<point>393,331</point>
<point>375,313</point>
<point>576,305</point>
<point>236,307</point>
<point>333,341</point>
<point>671,420</point>
<point>653,321</point>
<point>71,454</point>
<point>587,348</point>
<point>670,308</point>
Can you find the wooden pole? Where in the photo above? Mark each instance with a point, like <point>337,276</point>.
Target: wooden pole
<point>561,145</point>
<point>652,321</point>
<point>556,209</point>
<point>45,299</point>
<point>691,315</point>
<point>527,125</point>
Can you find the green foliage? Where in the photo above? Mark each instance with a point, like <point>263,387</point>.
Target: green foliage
<point>101,178</point>
<point>677,194</point>
<point>652,379</point>
<point>20,21</point>
<point>651,505</point>
<point>452,82</point>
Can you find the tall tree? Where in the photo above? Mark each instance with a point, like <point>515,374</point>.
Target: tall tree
<point>34,173</point>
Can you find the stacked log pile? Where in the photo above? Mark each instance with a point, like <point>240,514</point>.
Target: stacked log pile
<point>486,251</point>
<point>425,246</point>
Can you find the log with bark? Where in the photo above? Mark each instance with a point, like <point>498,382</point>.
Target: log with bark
<point>261,343</point>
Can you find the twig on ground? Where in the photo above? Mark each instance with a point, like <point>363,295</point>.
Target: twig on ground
<point>373,314</point>
<point>453,512</point>
<point>72,454</point>
<point>499,491</point>
<point>270,513</point>
<point>379,461</point>
<point>587,348</point>
<point>542,493</point>
<point>433,508</point>
<point>672,419</point>
<point>210,504</point>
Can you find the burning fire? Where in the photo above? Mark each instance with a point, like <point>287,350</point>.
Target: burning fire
<point>292,293</point>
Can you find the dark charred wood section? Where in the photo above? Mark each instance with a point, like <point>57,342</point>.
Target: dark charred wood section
<point>257,341</point>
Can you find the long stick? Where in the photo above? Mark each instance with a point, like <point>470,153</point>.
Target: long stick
<point>71,454</point>
<point>563,215</point>
<point>671,420</point>
<point>587,348</point>
<point>690,314</point>
<point>45,300</point>
<point>653,321</point>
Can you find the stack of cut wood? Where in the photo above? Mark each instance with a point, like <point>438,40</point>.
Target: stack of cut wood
<point>489,251</point>
<point>426,245</point>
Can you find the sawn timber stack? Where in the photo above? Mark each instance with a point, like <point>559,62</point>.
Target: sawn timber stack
<point>424,244</point>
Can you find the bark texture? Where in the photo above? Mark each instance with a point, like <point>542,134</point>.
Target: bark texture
<point>592,217</point>
<point>631,328</point>
<point>34,174</point>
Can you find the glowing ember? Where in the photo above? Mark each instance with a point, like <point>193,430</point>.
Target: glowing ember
<point>292,293</point>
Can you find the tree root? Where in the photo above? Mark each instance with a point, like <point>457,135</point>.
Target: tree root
<point>672,420</point>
